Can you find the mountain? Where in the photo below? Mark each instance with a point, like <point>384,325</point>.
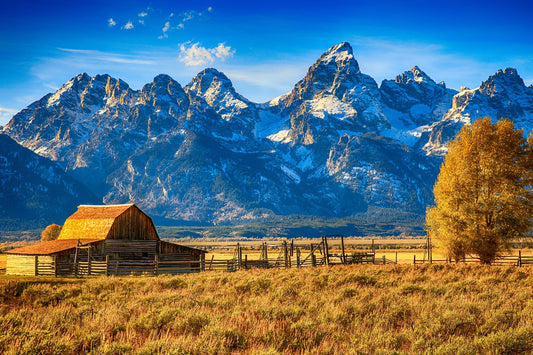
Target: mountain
<point>34,191</point>
<point>502,95</point>
<point>336,145</point>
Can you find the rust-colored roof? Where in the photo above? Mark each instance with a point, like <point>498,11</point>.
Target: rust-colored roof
<point>50,247</point>
<point>99,212</point>
<point>92,222</point>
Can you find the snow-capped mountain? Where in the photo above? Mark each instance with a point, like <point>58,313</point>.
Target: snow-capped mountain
<point>502,95</point>
<point>336,145</point>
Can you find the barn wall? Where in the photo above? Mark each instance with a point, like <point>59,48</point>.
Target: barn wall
<point>20,265</point>
<point>133,224</point>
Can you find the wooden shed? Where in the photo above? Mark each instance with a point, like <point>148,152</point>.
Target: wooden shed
<point>105,240</point>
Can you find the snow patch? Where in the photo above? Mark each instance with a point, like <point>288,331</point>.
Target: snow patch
<point>291,174</point>
<point>331,106</point>
<point>281,136</point>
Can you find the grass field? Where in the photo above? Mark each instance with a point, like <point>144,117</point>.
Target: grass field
<point>357,309</point>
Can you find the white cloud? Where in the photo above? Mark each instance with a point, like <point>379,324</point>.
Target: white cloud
<point>128,26</point>
<point>111,22</point>
<point>189,15</point>
<point>143,14</point>
<point>167,26</point>
<point>209,9</point>
<point>6,114</point>
<point>222,52</point>
<point>194,54</point>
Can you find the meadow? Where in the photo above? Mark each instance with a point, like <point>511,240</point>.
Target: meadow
<point>352,309</point>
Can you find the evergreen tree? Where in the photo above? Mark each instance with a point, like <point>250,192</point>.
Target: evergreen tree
<point>482,194</point>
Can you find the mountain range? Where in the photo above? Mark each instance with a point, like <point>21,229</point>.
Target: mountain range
<point>337,145</point>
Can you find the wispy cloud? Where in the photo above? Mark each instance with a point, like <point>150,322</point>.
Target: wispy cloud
<point>194,54</point>
<point>128,26</point>
<point>111,23</point>
<point>109,57</point>
<point>6,114</point>
<point>181,20</point>
<point>143,14</point>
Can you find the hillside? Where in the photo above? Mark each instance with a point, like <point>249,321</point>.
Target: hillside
<point>33,190</point>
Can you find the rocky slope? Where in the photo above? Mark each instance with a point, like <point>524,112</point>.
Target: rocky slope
<point>336,145</point>
<point>33,190</point>
<point>502,95</point>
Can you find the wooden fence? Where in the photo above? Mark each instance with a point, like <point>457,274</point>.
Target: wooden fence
<point>283,255</point>
<point>504,260</point>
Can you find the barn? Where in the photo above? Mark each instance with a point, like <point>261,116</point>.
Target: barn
<point>105,240</point>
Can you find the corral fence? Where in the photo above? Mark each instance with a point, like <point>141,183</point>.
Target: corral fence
<point>503,260</point>
<point>293,255</point>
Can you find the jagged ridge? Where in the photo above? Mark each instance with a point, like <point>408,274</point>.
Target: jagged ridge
<point>336,145</point>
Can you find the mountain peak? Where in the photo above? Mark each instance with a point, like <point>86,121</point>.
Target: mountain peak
<point>508,75</point>
<point>162,78</point>
<point>502,80</point>
<point>208,78</point>
<point>415,74</point>
<point>340,55</point>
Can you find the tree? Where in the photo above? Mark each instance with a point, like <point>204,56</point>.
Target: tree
<point>51,232</point>
<point>482,194</point>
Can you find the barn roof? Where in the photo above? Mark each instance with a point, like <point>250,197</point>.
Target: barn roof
<point>92,221</point>
<point>50,247</point>
<point>100,212</point>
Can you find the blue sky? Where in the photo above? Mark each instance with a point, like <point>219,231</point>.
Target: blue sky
<point>264,47</point>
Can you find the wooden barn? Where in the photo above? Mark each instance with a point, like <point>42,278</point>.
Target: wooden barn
<point>105,240</point>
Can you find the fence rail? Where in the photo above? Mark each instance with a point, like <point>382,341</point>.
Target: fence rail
<point>503,260</point>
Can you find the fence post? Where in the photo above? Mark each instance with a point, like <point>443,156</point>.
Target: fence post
<point>89,261</point>
<point>156,265</point>
<point>384,260</point>
<point>245,261</point>
<point>286,254</point>
<point>55,265</point>
<point>520,258</point>
<point>414,259</point>
<point>266,255</point>
<point>239,256</point>
<point>325,248</point>
<point>107,265</point>
<point>292,248</point>
<point>36,271</point>
<point>297,257</point>
<point>313,259</point>
<point>396,258</point>
<point>342,247</point>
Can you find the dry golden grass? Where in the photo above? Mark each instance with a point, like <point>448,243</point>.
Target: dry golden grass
<point>357,309</point>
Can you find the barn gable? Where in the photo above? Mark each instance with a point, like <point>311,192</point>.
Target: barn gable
<point>109,222</point>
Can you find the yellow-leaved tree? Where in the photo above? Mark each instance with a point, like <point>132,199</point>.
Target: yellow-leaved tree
<point>51,232</point>
<point>482,194</point>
